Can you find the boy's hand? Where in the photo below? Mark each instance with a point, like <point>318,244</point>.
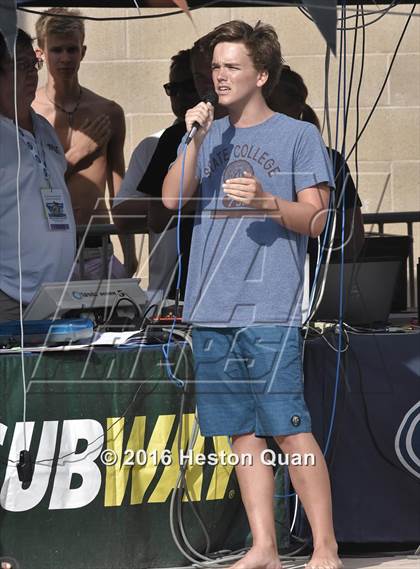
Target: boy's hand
<point>203,113</point>
<point>248,191</point>
<point>87,142</point>
<point>92,135</point>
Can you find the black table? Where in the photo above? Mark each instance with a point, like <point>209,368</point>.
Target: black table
<point>374,453</point>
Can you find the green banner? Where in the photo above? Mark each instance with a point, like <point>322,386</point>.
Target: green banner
<point>104,431</point>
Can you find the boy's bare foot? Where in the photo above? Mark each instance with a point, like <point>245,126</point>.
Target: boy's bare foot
<point>325,558</point>
<point>259,558</point>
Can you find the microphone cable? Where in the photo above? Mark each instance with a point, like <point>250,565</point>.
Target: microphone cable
<point>165,348</point>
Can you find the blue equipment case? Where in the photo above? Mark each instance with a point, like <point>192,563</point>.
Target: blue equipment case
<point>47,331</point>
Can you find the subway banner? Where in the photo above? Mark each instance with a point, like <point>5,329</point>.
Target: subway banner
<point>106,444</point>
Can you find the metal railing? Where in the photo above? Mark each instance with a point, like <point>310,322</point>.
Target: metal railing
<point>379,219</point>
<point>104,230</point>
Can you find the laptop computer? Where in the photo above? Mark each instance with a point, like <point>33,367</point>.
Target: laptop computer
<point>368,288</point>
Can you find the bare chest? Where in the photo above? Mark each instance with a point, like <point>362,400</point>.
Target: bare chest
<point>67,125</point>
<point>69,120</point>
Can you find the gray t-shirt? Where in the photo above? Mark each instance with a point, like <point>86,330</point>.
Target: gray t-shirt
<point>246,268</point>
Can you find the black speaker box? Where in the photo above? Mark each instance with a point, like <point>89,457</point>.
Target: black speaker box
<point>397,246</point>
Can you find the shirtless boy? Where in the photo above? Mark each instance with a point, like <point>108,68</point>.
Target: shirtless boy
<point>77,113</point>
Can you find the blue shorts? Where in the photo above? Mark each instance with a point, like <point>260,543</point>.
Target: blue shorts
<point>250,380</point>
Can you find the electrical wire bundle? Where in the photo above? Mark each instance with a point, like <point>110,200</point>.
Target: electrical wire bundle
<point>343,104</point>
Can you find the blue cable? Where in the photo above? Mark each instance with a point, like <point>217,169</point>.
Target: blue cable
<point>343,196</point>
<point>340,325</point>
<point>331,207</point>
<point>337,118</point>
<point>318,267</point>
<point>165,348</point>
<point>131,345</point>
<point>178,223</point>
<point>278,496</point>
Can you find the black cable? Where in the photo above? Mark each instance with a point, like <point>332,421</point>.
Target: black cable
<point>116,303</point>
<point>338,425</point>
<point>359,134</point>
<point>351,232</point>
<point>384,82</point>
<point>179,533</point>
<point>121,18</point>
<point>143,322</point>
<point>345,114</point>
<point>359,86</point>
<point>189,499</point>
<point>324,333</point>
<point>210,3</point>
<point>371,22</point>
<point>54,461</point>
<point>330,455</point>
<point>293,553</point>
<point>183,484</point>
<point>326,98</point>
<point>340,18</point>
<point>329,236</point>
<point>346,110</point>
<point>381,13</point>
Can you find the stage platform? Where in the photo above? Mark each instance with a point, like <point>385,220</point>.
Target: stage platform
<point>398,562</point>
<point>410,562</point>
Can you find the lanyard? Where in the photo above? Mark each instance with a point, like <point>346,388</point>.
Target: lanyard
<point>35,155</point>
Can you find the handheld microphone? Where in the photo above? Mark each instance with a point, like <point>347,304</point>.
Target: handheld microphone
<point>209,97</point>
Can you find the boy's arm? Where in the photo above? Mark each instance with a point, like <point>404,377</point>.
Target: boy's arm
<point>312,180</point>
<point>115,169</point>
<point>171,184</point>
<point>307,215</point>
<point>161,218</point>
<point>115,151</point>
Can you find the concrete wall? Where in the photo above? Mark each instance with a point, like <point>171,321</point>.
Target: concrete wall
<point>128,62</point>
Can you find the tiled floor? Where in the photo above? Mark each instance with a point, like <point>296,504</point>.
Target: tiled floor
<point>382,563</point>
<point>398,562</point>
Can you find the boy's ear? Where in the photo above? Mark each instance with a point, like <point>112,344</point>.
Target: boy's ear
<point>263,78</point>
<point>84,48</point>
<point>39,52</point>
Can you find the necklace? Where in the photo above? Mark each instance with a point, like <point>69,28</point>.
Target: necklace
<point>69,114</point>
